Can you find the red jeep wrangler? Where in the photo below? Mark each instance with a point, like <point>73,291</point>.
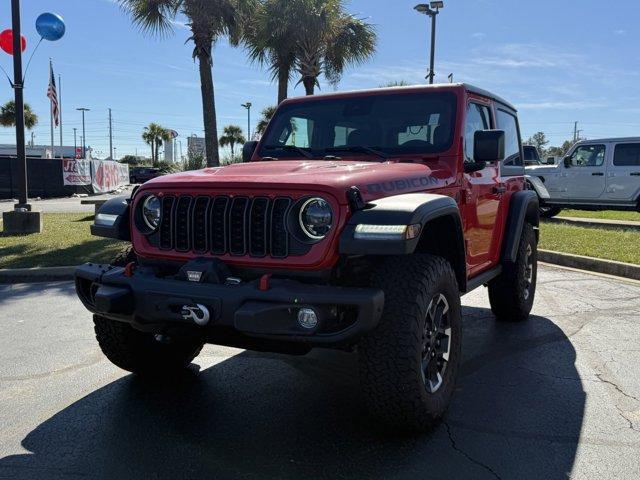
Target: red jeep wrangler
<point>357,222</point>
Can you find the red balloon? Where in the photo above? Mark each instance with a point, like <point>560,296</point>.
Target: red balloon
<point>6,41</point>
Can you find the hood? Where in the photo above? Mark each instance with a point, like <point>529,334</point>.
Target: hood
<point>374,179</point>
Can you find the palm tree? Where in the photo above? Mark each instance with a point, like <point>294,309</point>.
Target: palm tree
<point>8,115</point>
<point>270,38</point>
<point>330,40</point>
<point>266,116</point>
<point>155,135</point>
<point>209,20</point>
<point>232,136</point>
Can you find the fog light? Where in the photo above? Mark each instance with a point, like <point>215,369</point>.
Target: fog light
<point>307,318</point>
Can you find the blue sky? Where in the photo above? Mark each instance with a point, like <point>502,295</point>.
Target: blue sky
<point>558,62</point>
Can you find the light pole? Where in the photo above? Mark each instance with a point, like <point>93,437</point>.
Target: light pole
<point>21,151</point>
<point>432,9</point>
<point>84,138</point>
<point>75,143</point>
<point>248,107</point>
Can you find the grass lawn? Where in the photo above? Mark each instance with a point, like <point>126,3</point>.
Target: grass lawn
<point>609,244</point>
<point>604,215</point>
<point>65,240</point>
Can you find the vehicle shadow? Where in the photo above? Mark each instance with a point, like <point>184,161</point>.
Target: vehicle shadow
<point>517,413</point>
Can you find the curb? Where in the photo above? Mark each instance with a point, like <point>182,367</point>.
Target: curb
<point>595,223</point>
<point>33,275</point>
<point>609,267</point>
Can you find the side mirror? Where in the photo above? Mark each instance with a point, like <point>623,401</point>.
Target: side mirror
<point>567,162</point>
<point>247,150</point>
<point>488,146</point>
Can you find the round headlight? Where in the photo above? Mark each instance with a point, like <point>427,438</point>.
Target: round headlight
<point>315,218</point>
<point>151,211</point>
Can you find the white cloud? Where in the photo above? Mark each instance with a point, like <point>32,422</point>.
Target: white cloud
<point>478,35</point>
<point>620,32</point>
<point>560,105</point>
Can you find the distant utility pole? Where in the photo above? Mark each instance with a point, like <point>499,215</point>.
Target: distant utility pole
<point>75,143</point>
<point>575,132</point>
<point>32,141</point>
<point>84,133</point>
<point>248,107</point>
<point>110,136</point>
<point>60,112</point>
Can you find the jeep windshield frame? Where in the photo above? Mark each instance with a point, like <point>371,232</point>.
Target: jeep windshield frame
<point>393,124</point>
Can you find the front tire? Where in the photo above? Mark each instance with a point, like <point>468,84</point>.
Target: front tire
<point>409,363</point>
<point>139,352</point>
<point>512,293</point>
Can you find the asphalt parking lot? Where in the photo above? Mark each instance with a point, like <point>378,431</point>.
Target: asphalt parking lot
<point>556,397</point>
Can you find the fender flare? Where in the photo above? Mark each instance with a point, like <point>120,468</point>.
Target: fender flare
<point>112,220</point>
<point>523,206</point>
<point>424,209</point>
<point>538,186</point>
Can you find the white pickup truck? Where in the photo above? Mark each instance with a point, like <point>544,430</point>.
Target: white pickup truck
<point>595,175</point>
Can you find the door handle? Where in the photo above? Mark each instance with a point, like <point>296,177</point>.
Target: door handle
<point>598,174</point>
<point>635,174</point>
<point>499,190</point>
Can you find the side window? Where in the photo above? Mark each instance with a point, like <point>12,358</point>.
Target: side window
<point>627,155</point>
<point>509,123</point>
<point>588,156</point>
<point>478,118</point>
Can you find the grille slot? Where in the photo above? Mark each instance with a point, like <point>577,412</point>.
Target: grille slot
<point>237,226</point>
<point>182,224</point>
<point>166,237</point>
<point>279,235</point>
<point>222,225</point>
<point>199,222</point>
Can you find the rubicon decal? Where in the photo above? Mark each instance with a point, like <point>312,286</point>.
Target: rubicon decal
<point>402,184</point>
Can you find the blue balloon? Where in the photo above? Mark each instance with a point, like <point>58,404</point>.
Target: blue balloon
<point>50,26</point>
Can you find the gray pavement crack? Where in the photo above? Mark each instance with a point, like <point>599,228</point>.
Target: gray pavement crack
<point>614,385</point>
<point>466,455</point>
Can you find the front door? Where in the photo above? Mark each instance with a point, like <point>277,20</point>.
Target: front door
<point>585,176</point>
<point>482,197</point>
<point>623,174</point>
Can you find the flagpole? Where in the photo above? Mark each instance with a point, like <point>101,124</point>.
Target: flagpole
<point>53,155</point>
<point>60,112</point>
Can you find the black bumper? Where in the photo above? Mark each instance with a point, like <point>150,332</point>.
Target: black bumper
<point>151,303</point>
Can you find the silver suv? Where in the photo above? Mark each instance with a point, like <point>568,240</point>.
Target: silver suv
<point>595,175</point>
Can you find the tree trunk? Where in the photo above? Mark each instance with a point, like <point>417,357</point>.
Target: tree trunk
<point>208,107</point>
<point>309,85</point>
<point>283,85</point>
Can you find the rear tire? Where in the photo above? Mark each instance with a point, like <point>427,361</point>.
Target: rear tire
<point>512,293</point>
<point>409,363</point>
<point>548,212</point>
<point>139,352</point>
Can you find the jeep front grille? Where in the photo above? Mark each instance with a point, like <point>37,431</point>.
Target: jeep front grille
<point>224,225</point>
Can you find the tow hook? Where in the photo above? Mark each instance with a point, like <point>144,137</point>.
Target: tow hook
<point>198,313</point>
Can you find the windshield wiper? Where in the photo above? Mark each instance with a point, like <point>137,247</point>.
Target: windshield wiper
<point>358,148</point>
<point>300,150</point>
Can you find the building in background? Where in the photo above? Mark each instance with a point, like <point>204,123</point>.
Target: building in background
<point>196,145</point>
<point>170,153</point>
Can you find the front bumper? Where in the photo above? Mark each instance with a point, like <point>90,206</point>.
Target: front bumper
<point>152,303</point>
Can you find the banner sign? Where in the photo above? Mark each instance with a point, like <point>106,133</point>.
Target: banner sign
<point>76,172</point>
<point>107,175</point>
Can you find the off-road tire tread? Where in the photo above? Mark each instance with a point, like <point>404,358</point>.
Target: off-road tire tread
<point>392,380</point>
<point>138,352</point>
<point>506,291</point>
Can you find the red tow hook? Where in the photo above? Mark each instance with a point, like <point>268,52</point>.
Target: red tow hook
<point>264,282</point>
<point>129,269</point>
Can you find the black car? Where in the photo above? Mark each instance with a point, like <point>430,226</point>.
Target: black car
<point>143,174</point>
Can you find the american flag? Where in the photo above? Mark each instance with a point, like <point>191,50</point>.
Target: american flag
<point>52,93</point>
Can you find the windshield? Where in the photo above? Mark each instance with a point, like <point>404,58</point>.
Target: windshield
<point>386,124</point>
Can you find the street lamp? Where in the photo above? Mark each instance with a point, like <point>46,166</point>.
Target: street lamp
<point>248,107</point>
<point>432,9</point>
<point>84,138</point>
